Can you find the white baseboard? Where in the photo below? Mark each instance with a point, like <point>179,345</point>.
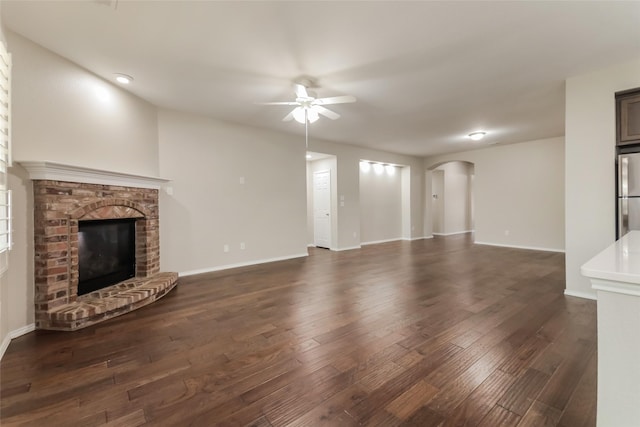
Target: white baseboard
<point>411,239</point>
<point>240,264</point>
<point>375,242</point>
<point>532,248</point>
<point>348,248</point>
<point>454,233</point>
<point>580,294</point>
<point>15,334</point>
<point>5,344</point>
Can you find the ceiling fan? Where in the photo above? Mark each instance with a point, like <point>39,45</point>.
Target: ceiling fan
<point>308,108</point>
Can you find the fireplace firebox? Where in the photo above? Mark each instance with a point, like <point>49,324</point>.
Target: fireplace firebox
<point>106,253</point>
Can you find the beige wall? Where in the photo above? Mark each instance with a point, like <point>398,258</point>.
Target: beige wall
<point>590,166</point>
<point>380,205</point>
<point>65,114</point>
<point>62,113</point>
<point>206,160</point>
<point>517,188</point>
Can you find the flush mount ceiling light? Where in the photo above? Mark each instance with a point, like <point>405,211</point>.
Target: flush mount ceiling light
<point>477,136</point>
<point>123,78</point>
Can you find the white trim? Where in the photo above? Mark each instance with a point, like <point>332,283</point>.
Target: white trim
<point>428,237</point>
<point>375,242</point>
<point>5,344</point>
<point>531,248</point>
<point>349,248</point>
<point>61,172</point>
<point>454,233</point>
<point>240,264</point>
<point>411,239</point>
<point>630,289</point>
<point>321,247</point>
<point>580,294</point>
<point>13,335</point>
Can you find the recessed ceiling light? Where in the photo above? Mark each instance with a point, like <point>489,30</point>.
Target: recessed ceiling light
<point>477,136</point>
<point>123,78</point>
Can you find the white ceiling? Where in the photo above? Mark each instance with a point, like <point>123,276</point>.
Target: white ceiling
<point>425,73</point>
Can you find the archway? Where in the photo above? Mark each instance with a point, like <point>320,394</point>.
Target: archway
<point>451,189</point>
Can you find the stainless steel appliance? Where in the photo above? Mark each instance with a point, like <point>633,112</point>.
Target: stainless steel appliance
<point>628,193</point>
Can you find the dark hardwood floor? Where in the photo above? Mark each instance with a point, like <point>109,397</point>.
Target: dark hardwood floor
<point>437,332</point>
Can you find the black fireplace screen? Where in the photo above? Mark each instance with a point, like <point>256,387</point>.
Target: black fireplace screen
<point>106,253</point>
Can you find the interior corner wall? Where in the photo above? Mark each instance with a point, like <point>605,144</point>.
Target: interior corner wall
<point>518,188</point>
<point>4,278</point>
<point>230,185</point>
<point>590,166</point>
<point>380,205</point>
<point>63,113</point>
<point>406,201</point>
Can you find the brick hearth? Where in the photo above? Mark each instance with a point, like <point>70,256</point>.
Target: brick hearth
<point>58,207</point>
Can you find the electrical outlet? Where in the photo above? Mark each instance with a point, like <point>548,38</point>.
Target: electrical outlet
<point>225,248</point>
<point>242,246</point>
<point>354,234</point>
<point>506,232</point>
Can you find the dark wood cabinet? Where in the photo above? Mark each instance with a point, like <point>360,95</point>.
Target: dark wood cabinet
<point>628,117</point>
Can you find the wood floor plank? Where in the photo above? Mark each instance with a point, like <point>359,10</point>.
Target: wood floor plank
<point>411,400</point>
<point>540,415</point>
<point>478,404</point>
<point>581,408</point>
<point>422,333</point>
<point>500,417</point>
<point>519,397</point>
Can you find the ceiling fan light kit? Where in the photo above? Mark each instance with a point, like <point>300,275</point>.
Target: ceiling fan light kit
<point>308,108</point>
<point>302,113</point>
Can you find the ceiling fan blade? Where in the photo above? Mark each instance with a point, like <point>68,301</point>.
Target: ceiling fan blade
<point>288,117</point>
<point>335,100</point>
<point>301,91</point>
<point>278,103</point>
<point>326,112</point>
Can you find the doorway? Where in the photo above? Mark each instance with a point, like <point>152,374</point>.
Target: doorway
<point>322,209</point>
<point>321,200</point>
<point>452,198</point>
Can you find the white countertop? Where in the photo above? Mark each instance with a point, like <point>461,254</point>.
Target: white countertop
<point>620,262</point>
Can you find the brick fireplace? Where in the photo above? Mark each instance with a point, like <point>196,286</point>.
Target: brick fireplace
<point>65,195</point>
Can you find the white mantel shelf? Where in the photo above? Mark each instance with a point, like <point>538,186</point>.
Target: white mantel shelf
<point>60,172</point>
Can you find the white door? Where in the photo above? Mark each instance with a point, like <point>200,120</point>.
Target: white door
<point>322,209</point>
